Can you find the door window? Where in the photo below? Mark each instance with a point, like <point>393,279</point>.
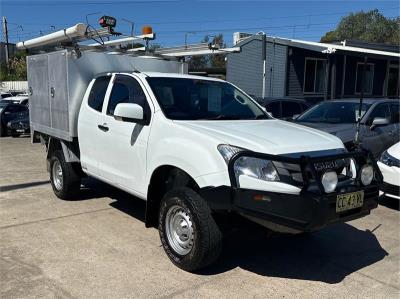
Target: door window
<point>381,110</point>
<point>290,108</point>
<point>395,109</point>
<point>96,97</point>
<point>127,90</point>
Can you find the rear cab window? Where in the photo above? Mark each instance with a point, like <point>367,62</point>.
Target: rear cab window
<point>98,92</point>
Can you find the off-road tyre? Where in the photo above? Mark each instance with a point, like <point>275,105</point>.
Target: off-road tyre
<point>71,180</point>
<point>207,237</point>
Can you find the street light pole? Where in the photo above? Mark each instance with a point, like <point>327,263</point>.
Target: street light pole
<point>5,32</point>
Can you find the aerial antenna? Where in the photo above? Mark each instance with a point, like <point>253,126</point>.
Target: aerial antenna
<point>357,141</point>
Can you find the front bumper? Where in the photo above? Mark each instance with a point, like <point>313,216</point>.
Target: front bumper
<point>310,210</point>
<point>289,213</point>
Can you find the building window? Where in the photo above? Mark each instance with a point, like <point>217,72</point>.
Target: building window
<point>314,75</point>
<point>368,77</point>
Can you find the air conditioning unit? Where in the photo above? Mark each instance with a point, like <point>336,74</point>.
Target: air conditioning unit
<point>239,36</point>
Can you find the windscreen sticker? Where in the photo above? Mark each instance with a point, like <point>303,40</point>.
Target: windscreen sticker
<point>214,98</point>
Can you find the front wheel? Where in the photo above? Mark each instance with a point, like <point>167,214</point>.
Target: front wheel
<point>188,232</point>
<point>64,179</point>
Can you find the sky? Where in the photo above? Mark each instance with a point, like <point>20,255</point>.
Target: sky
<point>172,20</point>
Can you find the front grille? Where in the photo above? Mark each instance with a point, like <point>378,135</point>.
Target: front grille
<point>390,189</point>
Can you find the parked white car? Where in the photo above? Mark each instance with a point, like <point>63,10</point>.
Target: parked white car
<point>389,164</point>
<point>22,99</point>
<point>4,95</point>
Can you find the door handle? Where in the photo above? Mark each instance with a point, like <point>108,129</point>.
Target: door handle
<point>103,127</point>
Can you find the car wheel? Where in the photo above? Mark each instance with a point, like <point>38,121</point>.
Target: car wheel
<point>64,179</point>
<point>188,232</point>
<point>15,135</point>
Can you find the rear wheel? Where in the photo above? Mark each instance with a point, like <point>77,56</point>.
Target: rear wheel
<point>64,179</point>
<point>188,232</point>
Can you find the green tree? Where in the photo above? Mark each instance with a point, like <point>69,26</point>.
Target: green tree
<point>16,70</point>
<point>204,61</point>
<point>369,26</point>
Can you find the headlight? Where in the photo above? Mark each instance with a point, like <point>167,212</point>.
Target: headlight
<point>252,167</point>
<point>329,180</point>
<point>228,151</point>
<point>366,174</point>
<point>256,168</point>
<point>389,160</point>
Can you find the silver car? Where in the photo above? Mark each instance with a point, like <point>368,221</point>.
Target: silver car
<point>379,123</point>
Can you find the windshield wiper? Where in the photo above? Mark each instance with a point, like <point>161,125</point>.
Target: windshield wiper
<point>224,117</point>
<point>262,116</point>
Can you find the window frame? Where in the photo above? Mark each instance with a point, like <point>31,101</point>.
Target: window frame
<point>373,77</point>
<point>315,74</point>
<point>369,119</point>
<point>114,79</point>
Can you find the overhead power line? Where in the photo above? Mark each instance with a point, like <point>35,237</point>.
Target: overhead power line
<point>206,20</point>
<point>80,3</point>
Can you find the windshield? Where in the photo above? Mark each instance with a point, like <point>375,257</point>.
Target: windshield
<point>193,99</point>
<point>334,112</point>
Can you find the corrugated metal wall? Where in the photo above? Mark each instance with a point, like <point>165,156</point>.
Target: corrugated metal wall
<point>245,69</point>
<point>276,70</point>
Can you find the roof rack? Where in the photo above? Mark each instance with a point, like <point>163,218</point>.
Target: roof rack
<point>74,36</point>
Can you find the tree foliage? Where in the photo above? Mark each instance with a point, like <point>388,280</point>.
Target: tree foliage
<point>204,61</point>
<point>16,70</point>
<point>369,26</point>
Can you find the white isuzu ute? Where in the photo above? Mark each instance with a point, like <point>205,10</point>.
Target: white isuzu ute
<point>192,147</point>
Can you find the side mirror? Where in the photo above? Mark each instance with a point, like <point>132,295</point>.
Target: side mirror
<point>378,122</point>
<point>129,112</point>
<point>295,116</point>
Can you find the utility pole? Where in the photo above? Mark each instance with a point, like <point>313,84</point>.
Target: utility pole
<point>264,57</point>
<point>5,32</point>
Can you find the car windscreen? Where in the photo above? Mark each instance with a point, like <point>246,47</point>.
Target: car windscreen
<point>334,112</point>
<point>196,99</point>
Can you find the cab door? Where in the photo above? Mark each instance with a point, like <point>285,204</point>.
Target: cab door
<point>90,130</point>
<point>125,141</point>
<point>379,138</point>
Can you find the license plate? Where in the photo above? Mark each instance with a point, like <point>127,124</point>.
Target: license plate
<point>349,201</point>
<point>20,131</point>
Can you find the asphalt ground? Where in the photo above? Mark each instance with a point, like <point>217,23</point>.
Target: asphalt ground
<point>98,247</point>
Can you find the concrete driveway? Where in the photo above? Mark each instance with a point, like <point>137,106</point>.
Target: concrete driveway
<point>97,247</point>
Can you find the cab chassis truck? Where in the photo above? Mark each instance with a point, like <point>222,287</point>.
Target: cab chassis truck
<point>192,147</point>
